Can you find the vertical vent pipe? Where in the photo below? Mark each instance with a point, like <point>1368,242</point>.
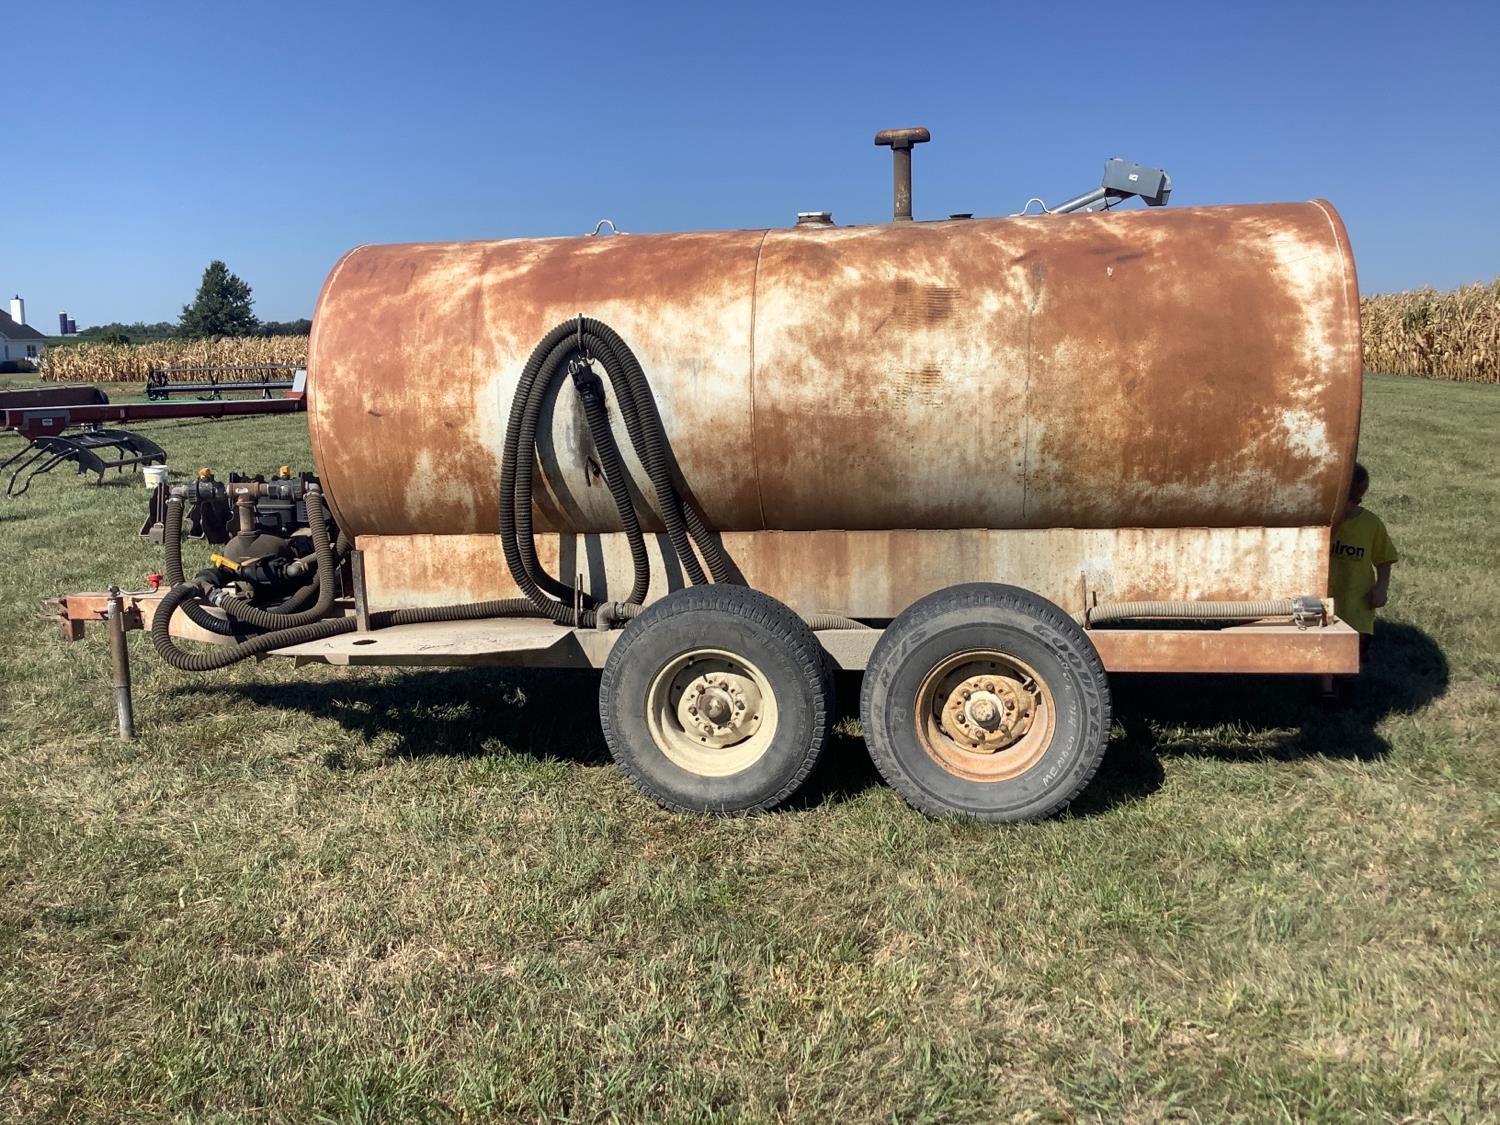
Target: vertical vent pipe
<point>900,142</point>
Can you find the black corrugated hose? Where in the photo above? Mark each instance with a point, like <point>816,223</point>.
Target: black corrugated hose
<point>211,659</point>
<point>207,661</point>
<point>172,542</point>
<point>582,340</point>
<point>591,391</point>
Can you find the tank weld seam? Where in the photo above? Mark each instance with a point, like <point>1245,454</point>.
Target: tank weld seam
<point>760,500</point>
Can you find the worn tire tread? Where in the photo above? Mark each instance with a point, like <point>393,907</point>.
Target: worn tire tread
<point>753,607</point>
<point>966,597</point>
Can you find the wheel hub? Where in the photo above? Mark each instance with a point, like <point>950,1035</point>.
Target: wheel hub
<point>718,705</point>
<point>986,712</point>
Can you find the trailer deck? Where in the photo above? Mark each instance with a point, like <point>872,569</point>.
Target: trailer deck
<point>1270,646</point>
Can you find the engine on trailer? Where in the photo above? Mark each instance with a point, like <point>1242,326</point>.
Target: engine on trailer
<point>267,556</point>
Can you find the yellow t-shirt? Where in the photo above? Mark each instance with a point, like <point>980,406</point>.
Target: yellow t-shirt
<point>1359,546</point>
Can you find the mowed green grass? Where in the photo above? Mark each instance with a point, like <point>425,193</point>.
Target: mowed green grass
<point>388,896</point>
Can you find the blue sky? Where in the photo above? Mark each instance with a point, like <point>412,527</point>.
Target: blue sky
<point>145,139</point>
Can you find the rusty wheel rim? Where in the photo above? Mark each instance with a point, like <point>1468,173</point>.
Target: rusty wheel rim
<point>985,715</point>
<point>711,712</point>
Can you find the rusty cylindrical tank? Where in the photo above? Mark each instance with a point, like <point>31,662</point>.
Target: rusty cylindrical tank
<point>1167,369</point>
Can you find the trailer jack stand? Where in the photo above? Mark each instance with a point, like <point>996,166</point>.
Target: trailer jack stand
<point>119,659</point>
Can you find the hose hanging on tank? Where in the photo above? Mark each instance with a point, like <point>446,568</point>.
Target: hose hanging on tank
<point>581,342</point>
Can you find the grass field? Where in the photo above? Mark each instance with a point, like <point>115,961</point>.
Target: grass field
<point>427,896</point>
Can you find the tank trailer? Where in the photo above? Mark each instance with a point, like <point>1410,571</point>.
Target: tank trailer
<point>986,461</point>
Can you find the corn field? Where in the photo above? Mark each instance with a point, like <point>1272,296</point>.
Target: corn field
<point>1435,335</point>
<point>1432,335</point>
<point>127,363</point>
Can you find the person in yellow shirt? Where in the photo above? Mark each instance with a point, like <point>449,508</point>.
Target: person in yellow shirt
<point>1359,569</point>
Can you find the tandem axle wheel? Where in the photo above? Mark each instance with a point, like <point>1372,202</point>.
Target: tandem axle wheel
<point>717,698</point>
<point>988,701</point>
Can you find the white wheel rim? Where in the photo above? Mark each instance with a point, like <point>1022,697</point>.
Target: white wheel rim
<point>711,712</point>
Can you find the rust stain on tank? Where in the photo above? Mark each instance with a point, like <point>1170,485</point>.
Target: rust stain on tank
<point>1162,368</point>
<point>877,574</point>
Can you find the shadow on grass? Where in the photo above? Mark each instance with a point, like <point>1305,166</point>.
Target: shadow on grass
<point>456,712</point>
<point>554,715</point>
<point>1261,718</point>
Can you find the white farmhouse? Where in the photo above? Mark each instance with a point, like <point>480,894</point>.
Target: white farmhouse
<point>18,340</point>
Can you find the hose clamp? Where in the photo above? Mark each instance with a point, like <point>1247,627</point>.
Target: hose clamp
<point>1308,610</point>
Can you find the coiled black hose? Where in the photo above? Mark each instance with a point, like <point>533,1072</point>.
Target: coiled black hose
<point>648,437</point>
<point>591,390</point>
<point>212,659</point>
<point>655,451</point>
<point>515,522</point>
<point>166,648</point>
<point>581,340</point>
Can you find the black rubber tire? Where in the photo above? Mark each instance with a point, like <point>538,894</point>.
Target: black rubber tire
<point>747,623</point>
<point>1005,619</point>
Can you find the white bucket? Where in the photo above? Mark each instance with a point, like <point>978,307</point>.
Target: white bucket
<point>155,475</point>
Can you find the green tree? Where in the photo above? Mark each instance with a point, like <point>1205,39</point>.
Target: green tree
<point>138,332</point>
<point>286,327</point>
<point>222,307</point>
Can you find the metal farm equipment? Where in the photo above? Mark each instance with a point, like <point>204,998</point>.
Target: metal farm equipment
<point>69,425</point>
<point>95,450</point>
<point>987,462</point>
<point>212,383</point>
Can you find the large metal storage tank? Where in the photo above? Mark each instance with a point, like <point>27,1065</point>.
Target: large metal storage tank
<point>1158,369</point>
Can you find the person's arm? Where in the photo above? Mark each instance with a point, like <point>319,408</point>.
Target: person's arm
<point>1381,591</point>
